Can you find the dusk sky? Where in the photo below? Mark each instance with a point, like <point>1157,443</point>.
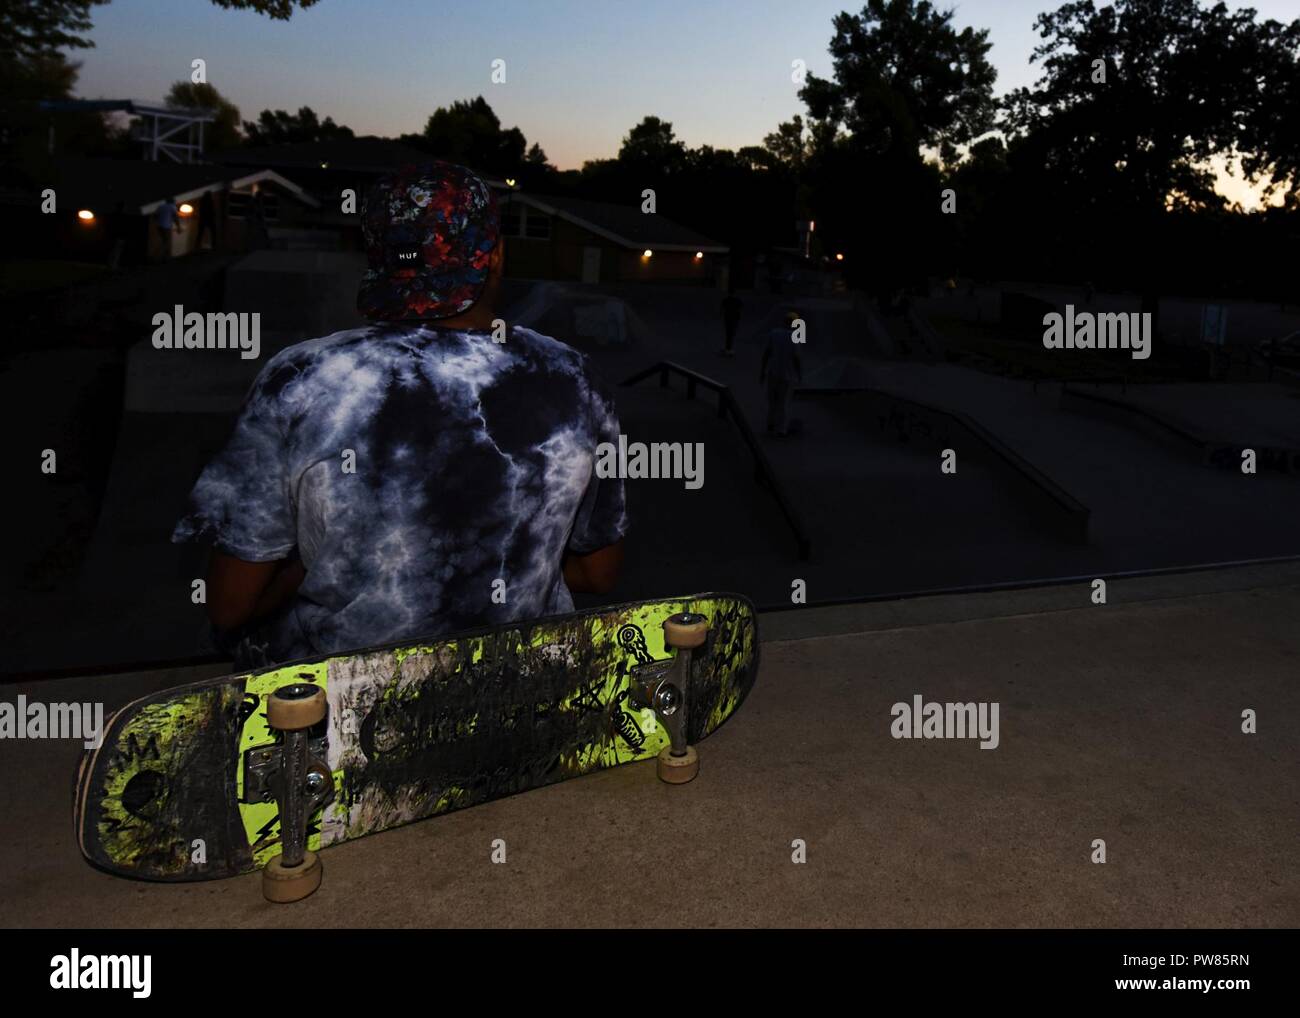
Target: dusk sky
<point>580,73</point>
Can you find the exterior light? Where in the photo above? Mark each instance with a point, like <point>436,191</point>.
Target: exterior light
<point>86,216</point>
<point>699,256</point>
<point>186,209</point>
<point>324,166</point>
<point>839,257</point>
<point>510,181</point>
<point>646,253</point>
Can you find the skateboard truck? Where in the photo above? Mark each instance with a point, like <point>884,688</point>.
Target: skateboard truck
<point>299,781</point>
<point>661,686</point>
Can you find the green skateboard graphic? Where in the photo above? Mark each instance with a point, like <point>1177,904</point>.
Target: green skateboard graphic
<point>262,770</point>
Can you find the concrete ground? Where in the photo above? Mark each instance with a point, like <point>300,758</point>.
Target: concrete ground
<point>1119,722</point>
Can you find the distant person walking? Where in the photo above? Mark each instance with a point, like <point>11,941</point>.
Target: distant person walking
<point>780,369</point>
<point>259,235</point>
<point>207,221</point>
<point>166,220</point>
<point>731,306</point>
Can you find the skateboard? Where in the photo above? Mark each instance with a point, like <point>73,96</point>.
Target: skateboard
<point>262,770</point>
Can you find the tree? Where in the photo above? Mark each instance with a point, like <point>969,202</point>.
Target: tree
<point>469,132</point>
<point>221,133</point>
<point>32,68</point>
<point>904,78</point>
<point>281,128</point>
<point>1181,83</point>
<point>33,28</point>
<point>1270,141</point>
<point>32,34</point>
<point>788,144</point>
<point>1136,98</point>
<point>281,10</point>
<point>651,144</point>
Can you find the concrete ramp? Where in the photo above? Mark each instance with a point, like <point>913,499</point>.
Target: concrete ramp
<point>310,292</point>
<point>1215,423</point>
<point>840,373</point>
<point>930,428</point>
<point>581,317</point>
<point>195,381</point>
<point>835,327</point>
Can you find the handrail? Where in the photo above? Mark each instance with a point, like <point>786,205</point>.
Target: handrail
<point>729,406</point>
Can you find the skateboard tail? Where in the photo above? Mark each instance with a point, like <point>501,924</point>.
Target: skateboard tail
<point>154,800</point>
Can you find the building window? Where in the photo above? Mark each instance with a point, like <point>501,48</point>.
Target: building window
<point>521,221</point>
<point>537,226</point>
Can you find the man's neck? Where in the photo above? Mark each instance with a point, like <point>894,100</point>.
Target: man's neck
<point>480,316</point>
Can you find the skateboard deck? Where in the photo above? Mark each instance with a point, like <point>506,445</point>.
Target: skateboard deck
<point>181,786</point>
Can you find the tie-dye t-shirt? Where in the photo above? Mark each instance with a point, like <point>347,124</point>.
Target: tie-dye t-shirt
<point>411,468</point>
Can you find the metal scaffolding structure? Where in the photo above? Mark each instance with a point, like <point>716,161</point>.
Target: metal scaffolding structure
<point>166,131</point>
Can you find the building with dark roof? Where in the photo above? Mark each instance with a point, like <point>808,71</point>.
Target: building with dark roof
<point>555,237</point>
<point>104,209</point>
<point>551,237</point>
<point>307,196</point>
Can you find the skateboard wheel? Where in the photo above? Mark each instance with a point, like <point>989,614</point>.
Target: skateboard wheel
<point>283,884</point>
<point>685,630</point>
<point>290,708</point>
<point>677,770</point>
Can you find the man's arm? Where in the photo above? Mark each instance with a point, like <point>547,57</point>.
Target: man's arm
<point>595,572</point>
<point>240,592</point>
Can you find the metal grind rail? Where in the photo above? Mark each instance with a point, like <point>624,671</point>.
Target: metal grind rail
<point>729,407</point>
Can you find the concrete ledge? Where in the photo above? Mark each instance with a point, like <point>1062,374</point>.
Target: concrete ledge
<point>1061,512</point>
<point>1033,598</point>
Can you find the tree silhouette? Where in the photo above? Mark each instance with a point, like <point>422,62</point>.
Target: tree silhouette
<point>222,132</point>
<point>281,10</point>
<point>652,145</point>
<point>1182,82</point>
<point>31,28</point>
<point>281,128</point>
<point>904,78</point>
<point>469,132</point>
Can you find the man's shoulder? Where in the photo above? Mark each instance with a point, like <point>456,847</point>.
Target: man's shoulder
<point>310,351</point>
<point>544,344</point>
<point>300,361</point>
<point>539,346</point>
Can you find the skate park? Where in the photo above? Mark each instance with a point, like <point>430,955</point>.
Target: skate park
<point>1053,480</point>
<point>980,590</point>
